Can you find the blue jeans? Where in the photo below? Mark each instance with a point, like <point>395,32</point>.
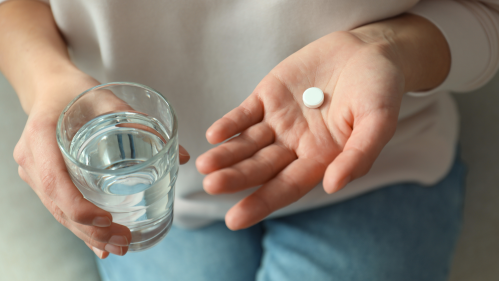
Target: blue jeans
<point>400,232</point>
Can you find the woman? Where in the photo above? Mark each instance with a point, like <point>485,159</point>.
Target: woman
<point>387,122</point>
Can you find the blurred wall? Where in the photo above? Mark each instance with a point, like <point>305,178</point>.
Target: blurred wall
<point>478,249</point>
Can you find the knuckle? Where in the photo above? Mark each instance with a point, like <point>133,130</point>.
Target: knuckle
<point>227,153</point>
<point>95,234</point>
<point>20,155</point>
<point>59,215</point>
<point>38,129</point>
<point>265,164</point>
<point>77,216</point>
<point>254,142</point>
<point>32,130</point>
<point>76,213</point>
<point>245,113</point>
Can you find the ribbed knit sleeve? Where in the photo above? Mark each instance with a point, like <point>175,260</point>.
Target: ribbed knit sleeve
<point>472,32</point>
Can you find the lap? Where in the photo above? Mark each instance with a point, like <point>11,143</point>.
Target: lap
<point>400,232</point>
<point>210,253</point>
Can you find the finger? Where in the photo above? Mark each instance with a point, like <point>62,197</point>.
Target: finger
<point>290,185</point>
<point>237,149</point>
<point>110,248</point>
<point>257,170</point>
<point>361,150</point>
<point>114,239</point>
<point>52,178</point>
<point>46,201</point>
<point>116,234</point>
<point>183,155</point>
<point>237,120</point>
<point>95,236</point>
<point>57,185</point>
<point>98,252</point>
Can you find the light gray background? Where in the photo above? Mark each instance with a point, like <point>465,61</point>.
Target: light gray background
<point>34,246</point>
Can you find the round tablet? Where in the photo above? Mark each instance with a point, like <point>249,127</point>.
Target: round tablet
<point>313,97</point>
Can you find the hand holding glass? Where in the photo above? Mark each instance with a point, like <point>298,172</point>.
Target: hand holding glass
<point>119,143</point>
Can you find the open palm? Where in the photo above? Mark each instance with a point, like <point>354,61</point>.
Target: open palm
<point>289,148</point>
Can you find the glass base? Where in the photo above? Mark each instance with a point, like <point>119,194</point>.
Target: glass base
<point>145,237</point>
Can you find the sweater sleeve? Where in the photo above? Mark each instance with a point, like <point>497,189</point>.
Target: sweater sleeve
<point>45,1</point>
<point>472,32</point>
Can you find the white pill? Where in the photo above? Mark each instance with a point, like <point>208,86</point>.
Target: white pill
<point>313,97</point>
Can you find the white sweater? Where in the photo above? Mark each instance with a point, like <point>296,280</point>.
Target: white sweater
<point>207,56</point>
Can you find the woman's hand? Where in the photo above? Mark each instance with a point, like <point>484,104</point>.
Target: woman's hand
<point>36,62</point>
<point>288,148</point>
<point>41,166</point>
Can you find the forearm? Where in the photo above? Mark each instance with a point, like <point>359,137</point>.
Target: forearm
<point>33,53</point>
<point>416,44</point>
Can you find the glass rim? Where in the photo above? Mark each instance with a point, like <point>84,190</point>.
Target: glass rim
<point>123,170</point>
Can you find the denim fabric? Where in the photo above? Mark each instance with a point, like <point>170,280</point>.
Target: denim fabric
<point>400,232</point>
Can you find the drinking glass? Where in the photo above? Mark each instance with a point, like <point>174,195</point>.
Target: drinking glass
<point>119,142</point>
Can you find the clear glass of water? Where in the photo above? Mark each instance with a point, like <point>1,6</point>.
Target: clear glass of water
<point>119,142</point>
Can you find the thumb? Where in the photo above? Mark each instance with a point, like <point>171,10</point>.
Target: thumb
<point>362,148</point>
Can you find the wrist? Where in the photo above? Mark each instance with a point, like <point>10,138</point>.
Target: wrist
<point>34,57</point>
<point>415,45</point>
<point>53,91</point>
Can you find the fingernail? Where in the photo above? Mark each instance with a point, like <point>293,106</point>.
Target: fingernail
<point>183,152</point>
<point>101,222</point>
<point>114,249</point>
<point>99,253</point>
<point>118,240</point>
